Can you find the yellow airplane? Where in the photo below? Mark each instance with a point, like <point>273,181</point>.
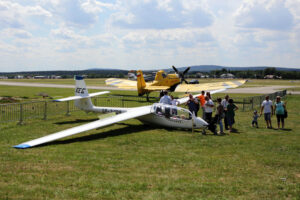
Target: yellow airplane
<point>171,82</point>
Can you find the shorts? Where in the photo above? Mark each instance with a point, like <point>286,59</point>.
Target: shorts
<point>280,118</point>
<point>254,122</point>
<point>267,116</point>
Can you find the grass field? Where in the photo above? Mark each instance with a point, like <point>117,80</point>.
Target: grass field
<point>132,161</point>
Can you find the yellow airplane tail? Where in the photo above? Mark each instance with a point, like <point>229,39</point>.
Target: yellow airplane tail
<point>141,84</point>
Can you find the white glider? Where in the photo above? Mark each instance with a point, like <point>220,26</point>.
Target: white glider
<point>157,114</point>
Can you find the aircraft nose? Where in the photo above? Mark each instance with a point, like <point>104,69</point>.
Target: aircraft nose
<point>202,122</point>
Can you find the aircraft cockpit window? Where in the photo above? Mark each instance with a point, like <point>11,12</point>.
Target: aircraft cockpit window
<point>172,112</point>
<point>164,75</point>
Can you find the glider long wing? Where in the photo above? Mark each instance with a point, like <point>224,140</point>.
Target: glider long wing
<point>185,99</point>
<point>132,113</point>
<point>208,86</point>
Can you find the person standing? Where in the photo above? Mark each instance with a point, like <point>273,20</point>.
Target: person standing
<point>279,111</point>
<point>166,99</point>
<point>231,108</point>
<point>208,95</point>
<point>192,103</point>
<point>174,101</point>
<point>267,107</point>
<point>208,109</point>
<point>219,115</point>
<point>225,104</point>
<point>254,119</point>
<point>202,102</point>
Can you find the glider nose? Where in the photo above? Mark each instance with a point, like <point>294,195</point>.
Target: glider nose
<point>202,122</point>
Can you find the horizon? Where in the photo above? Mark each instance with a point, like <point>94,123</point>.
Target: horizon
<point>52,35</point>
<point>99,68</point>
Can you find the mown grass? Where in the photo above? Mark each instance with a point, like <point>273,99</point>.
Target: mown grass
<point>130,160</point>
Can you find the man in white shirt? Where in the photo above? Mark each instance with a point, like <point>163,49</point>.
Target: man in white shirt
<point>166,99</point>
<point>225,103</point>
<point>267,107</point>
<point>208,109</point>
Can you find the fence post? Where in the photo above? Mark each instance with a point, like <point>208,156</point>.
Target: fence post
<point>68,108</point>
<point>243,104</point>
<point>21,114</point>
<point>122,102</point>
<point>45,110</point>
<point>252,103</point>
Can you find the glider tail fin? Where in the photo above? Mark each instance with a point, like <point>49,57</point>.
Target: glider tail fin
<point>82,91</point>
<point>141,84</point>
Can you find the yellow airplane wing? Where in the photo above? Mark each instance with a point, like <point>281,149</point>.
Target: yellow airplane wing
<point>156,88</point>
<point>208,86</point>
<point>121,83</point>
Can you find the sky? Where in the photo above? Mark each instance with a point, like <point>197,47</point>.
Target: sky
<point>147,34</point>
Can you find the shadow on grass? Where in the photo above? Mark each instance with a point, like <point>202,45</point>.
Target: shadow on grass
<point>283,129</point>
<point>76,121</point>
<point>110,133</point>
<point>234,130</point>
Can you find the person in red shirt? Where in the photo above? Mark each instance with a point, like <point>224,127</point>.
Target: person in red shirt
<point>202,102</point>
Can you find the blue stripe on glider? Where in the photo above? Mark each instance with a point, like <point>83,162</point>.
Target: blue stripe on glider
<point>22,146</point>
<point>78,77</point>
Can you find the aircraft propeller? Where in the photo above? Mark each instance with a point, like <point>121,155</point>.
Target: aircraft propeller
<point>181,74</point>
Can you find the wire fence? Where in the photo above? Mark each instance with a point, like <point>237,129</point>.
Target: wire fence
<point>19,112</point>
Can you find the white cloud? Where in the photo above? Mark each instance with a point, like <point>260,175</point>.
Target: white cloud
<point>93,6</point>
<point>265,14</point>
<point>61,34</point>
<point>155,14</point>
<point>14,15</point>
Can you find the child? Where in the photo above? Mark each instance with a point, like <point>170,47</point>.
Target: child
<point>254,121</point>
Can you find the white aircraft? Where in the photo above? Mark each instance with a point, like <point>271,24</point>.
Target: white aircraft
<point>156,114</point>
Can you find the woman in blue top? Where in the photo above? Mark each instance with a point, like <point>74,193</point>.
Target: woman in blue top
<point>279,110</point>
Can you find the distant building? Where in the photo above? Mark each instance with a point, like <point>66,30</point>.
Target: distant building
<point>199,75</point>
<point>55,77</point>
<point>270,76</point>
<point>3,77</point>
<point>19,77</point>
<point>40,77</point>
<point>227,75</point>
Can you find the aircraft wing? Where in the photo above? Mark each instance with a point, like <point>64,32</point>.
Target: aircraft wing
<point>121,83</point>
<point>81,97</point>
<point>155,88</point>
<point>132,113</point>
<point>185,99</point>
<point>209,86</point>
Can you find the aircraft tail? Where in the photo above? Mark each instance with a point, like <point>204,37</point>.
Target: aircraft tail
<point>82,97</point>
<point>141,84</point>
<point>82,91</point>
